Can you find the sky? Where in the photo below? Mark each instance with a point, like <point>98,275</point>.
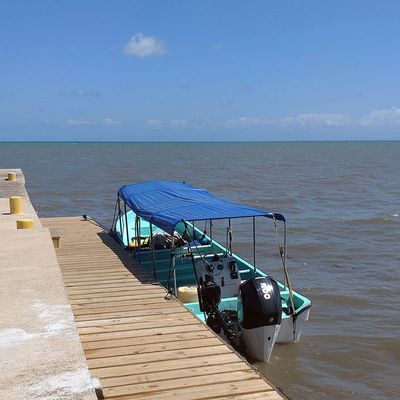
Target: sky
<point>199,70</point>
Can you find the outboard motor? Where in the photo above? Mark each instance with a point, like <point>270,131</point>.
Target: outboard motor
<point>260,315</point>
<point>209,298</point>
<point>226,320</point>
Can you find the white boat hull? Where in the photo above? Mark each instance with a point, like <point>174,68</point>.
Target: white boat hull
<point>286,334</point>
<point>260,341</point>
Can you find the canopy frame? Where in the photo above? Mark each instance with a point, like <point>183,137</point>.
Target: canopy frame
<point>167,203</point>
<point>179,199</point>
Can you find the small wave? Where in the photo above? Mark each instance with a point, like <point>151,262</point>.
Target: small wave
<point>337,299</point>
<point>376,219</point>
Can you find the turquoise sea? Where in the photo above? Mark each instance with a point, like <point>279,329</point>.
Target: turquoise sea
<point>342,202</point>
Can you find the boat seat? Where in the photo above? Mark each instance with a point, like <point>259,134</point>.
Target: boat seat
<point>144,242</point>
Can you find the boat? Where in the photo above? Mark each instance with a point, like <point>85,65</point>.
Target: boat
<point>158,223</point>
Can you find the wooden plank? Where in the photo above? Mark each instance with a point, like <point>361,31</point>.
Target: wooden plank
<point>140,332</point>
<point>156,357</point>
<point>122,297</point>
<point>181,316</point>
<point>138,322</point>
<point>178,383</point>
<point>253,396</point>
<point>112,292</point>
<point>88,271</point>
<point>151,348</point>
<point>120,303</point>
<point>88,278</point>
<point>102,287</point>
<point>180,320</point>
<point>112,287</point>
<point>139,344</point>
<point>108,278</point>
<point>146,367</point>
<point>91,263</point>
<point>145,340</point>
<point>212,391</point>
<point>96,283</point>
<point>173,374</point>
<point>158,311</point>
<point>119,308</point>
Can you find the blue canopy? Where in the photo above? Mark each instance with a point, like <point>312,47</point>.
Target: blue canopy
<point>166,203</point>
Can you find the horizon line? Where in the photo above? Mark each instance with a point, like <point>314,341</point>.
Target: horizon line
<point>201,141</point>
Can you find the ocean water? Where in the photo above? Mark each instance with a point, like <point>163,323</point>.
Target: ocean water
<point>342,202</point>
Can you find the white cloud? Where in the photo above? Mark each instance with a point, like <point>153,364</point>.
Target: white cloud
<point>145,46</point>
<point>80,122</point>
<point>173,123</point>
<point>110,122</point>
<point>79,93</point>
<point>226,102</point>
<point>245,121</point>
<point>178,123</point>
<point>301,120</point>
<point>315,119</point>
<point>107,122</point>
<point>154,123</point>
<point>83,93</point>
<point>389,116</point>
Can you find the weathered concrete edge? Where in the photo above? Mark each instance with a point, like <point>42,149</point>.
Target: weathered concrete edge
<point>40,349</point>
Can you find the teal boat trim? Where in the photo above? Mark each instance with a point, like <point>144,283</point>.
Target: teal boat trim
<point>184,271</point>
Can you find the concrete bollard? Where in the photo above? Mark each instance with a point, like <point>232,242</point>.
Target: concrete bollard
<point>12,176</point>
<point>25,223</point>
<point>16,205</point>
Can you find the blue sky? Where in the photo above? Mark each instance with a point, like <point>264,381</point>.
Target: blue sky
<point>199,70</point>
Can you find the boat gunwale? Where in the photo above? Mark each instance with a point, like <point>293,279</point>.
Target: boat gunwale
<point>306,303</point>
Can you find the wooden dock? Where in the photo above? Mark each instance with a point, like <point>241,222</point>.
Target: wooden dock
<point>138,344</point>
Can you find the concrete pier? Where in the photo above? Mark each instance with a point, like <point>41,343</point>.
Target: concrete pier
<point>41,355</point>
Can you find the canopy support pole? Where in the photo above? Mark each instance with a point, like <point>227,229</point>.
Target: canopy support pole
<point>138,239</point>
<point>120,221</point>
<point>254,244</point>
<point>287,280</point>
<point>152,251</point>
<point>211,231</point>
<point>126,223</point>
<point>282,251</point>
<point>294,315</point>
<point>229,237</point>
<point>284,254</point>
<point>114,223</point>
<point>173,261</point>
<point>136,232</point>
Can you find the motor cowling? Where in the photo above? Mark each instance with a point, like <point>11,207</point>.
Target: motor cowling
<point>209,295</point>
<point>209,298</point>
<point>260,303</point>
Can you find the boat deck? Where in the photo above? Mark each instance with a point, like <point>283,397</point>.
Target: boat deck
<point>137,343</point>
